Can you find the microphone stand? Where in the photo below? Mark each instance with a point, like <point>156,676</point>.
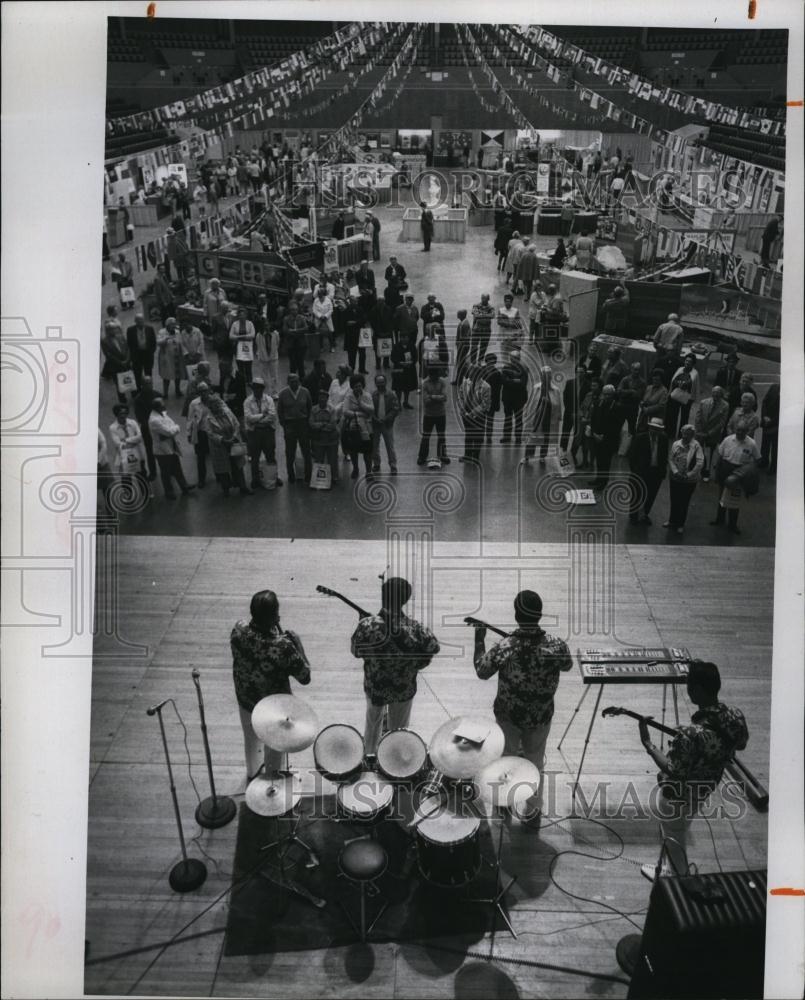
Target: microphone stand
<point>189,873</point>
<point>214,811</point>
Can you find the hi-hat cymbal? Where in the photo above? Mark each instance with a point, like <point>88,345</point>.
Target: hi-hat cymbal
<point>284,722</point>
<point>271,796</point>
<point>460,758</point>
<point>507,782</point>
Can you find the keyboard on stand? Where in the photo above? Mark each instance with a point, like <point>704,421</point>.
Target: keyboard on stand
<point>657,665</point>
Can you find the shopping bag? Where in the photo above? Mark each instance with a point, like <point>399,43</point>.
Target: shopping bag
<point>245,351</point>
<point>321,477</point>
<point>731,497</point>
<point>365,336</point>
<point>192,371</point>
<point>129,459</point>
<point>384,347</point>
<point>237,450</point>
<point>127,296</point>
<point>626,440</point>
<point>561,464</point>
<point>126,382</point>
<point>269,476</point>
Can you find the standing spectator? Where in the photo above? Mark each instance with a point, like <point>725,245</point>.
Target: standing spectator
<point>591,362</point>
<point>403,369</point>
<point>163,292</point>
<point>514,395</point>
<point>267,344</point>
<point>167,450</point>
<point>685,463</point>
<point>667,342</point>
<point>386,410</point>
<point>514,252</point>
<point>432,312</point>
<point>115,350</point>
<point>170,361</point>
<point>770,234</point>
<point>396,284</point>
<point>426,224</point>
<point>227,448</point>
<point>374,232</point>
<point>339,226</point>
<point>654,401</point>
<point>319,378</point>
<point>192,341</point>
<point>528,269</point>
<point>128,450</point>
<point>356,424</point>
<point>434,415</point>
<point>711,418</point>
<point>573,393</point>
<point>680,400</point>
<point>406,320</point>
<point>738,456</point>
<point>475,399</point>
<point>492,376</point>
<point>537,302</point>
<point>585,251</point>
<point>770,425</point>
<point>142,411</point>
<point>322,310</point>
<point>502,239</point>
<point>688,367</point>
<point>365,279</point>
<point>324,433</point>
<point>356,355</point>
<point>616,311</point>
<point>559,255</point>
<point>381,319</point>
<point>510,325</point>
<point>482,315</point>
<point>648,459</point>
<point>584,435</point>
<point>123,275</point>
<point>260,420</point>
<point>463,342</point>
<point>547,416</point>
<point>736,393</point>
<point>142,343</point>
<point>433,352</point>
<point>606,421</point>
<point>197,413</point>
<point>241,337</point>
<point>746,413</point>
<point>729,375</point>
<point>614,369</point>
<point>294,333</point>
<point>339,387</point>
<point>293,409</point>
<point>631,390</point>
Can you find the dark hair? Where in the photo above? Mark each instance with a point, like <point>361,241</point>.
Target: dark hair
<point>528,608</point>
<point>705,675</point>
<point>118,407</point>
<point>356,379</point>
<point>395,592</point>
<point>264,609</point>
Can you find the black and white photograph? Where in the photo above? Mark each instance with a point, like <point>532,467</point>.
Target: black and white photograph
<point>434,611</point>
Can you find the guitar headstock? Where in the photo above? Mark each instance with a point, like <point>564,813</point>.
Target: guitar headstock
<point>326,590</point>
<point>469,620</point>
<point>612,710</point>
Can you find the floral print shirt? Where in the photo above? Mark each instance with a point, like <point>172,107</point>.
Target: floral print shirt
<point>528,664</point>
<point>392,653</point>
<point>699,752</point>
<point>262,663</point>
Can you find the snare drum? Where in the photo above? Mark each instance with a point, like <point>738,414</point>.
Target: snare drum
<point>338,752</point>
<point>448,845</point>
<point>401,755</point>
<point>366,799</point>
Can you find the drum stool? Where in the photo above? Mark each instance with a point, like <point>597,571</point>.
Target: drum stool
<point>362,862</point>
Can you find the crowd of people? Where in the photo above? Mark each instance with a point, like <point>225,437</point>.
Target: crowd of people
<point>235,404</point>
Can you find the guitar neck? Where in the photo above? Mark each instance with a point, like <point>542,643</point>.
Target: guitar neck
<point>490,628</point>
<point>355,607</point>
<point>649,722</point>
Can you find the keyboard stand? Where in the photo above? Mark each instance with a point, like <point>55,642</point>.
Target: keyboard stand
<point>601,685</point>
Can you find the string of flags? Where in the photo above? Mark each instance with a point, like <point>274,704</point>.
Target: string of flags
<point>504,101</point>
<point>526,36</point>
<point>340,49</point>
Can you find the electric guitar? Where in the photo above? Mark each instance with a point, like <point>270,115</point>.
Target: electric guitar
<point>355,607</point>
<point>753,789</point>
<point>476,622</point>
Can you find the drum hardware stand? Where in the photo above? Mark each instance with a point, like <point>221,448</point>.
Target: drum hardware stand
<point>497,902</point>
<point>215,811</point>
<point>592,723</point>
<point>189,873</point>
<point>285,842</point>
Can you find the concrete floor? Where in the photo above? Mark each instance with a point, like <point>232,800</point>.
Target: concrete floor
<point>501,501</point>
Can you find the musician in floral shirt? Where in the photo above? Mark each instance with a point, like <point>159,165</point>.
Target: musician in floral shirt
<point>264,658</point>
<point>394,648</point>
<point>528,664</point>
<point>695,761</point>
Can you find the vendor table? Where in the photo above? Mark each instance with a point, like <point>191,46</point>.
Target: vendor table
<point>350,252</point>
<point>641,351</point>
<point>449,226</point>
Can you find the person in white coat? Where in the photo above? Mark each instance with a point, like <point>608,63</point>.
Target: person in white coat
<point>167,449</point>
<point>547,426</point>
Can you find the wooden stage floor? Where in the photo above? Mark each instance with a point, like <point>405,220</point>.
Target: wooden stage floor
<point>180,597</point>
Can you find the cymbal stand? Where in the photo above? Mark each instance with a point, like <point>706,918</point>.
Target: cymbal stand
<point>497,903</point>
<point>284,843</point>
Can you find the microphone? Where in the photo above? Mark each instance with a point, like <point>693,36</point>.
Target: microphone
<point>155,708</point>
<point>195,673</point>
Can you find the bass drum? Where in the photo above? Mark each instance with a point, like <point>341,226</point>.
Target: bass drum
<point>448,843</point>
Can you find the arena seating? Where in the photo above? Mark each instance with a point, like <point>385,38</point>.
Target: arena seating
<point>764,150</point>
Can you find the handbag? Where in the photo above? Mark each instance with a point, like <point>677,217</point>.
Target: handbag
<point>126,381</point>
<point>680,395</point>
<point>237,450</point>
<point>321,477</point>
<point>129,459</point>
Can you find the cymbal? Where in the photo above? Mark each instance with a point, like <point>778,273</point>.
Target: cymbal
<point>272,796</point>
<point>507,782</point>
<point>458,758</point>
<point>285,723</point>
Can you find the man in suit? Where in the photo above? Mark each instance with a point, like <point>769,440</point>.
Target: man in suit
<point>463,335</point>
<point>395,283</point>
<point>339,226</point>
<point>406,320</point>
<point>492,376</point>
<point>426,225</point>
<point>514,394</point>
<point>142,341</point>
<point>606,420</point>
<point>365,278</point>
<point>729,375</point>
<point>648,458</point>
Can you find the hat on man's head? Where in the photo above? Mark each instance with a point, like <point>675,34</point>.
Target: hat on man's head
<point>657,422</point>
<point>257,381</point>
<point>514,353</point>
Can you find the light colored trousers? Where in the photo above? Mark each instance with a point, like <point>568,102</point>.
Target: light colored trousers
<point>267,370</point>
<point>399,717</point>
<point>532,742</point>
<point>255,749</point>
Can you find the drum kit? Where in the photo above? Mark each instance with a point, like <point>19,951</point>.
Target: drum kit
<point>462,768</point>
